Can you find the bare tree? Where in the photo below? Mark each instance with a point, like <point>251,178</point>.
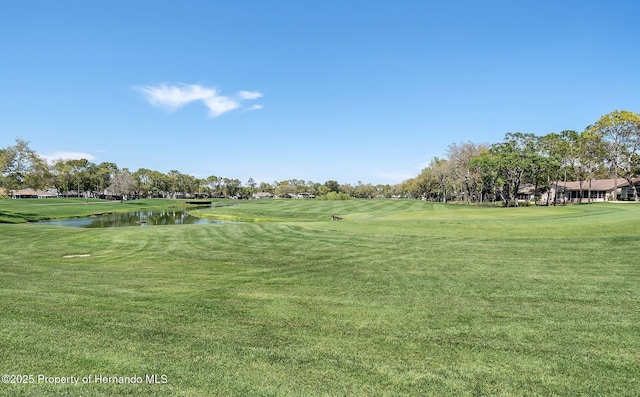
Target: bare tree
<point>460,157</point>
<point>122,184</point>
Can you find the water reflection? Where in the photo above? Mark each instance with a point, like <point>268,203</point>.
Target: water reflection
<point>137,218</point>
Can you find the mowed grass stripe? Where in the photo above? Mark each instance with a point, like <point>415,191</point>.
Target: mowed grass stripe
<point>300,210</point>
<point>528,303</point>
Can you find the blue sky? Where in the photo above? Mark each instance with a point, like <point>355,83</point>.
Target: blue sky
<point>346,90</point>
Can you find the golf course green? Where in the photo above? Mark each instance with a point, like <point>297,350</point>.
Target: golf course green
<point>399,297</point>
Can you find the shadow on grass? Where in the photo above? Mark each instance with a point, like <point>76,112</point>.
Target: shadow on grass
<point>19,217</point>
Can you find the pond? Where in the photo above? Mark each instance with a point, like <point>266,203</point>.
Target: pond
<point>137,218</point>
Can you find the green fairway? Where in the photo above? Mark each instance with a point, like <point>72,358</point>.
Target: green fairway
<point>398,298</point>
<point>20,211</point>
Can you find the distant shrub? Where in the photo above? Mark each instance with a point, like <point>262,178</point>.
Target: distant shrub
<point>334,196</point>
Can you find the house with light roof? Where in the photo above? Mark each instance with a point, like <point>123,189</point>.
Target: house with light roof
<point>594,190</point>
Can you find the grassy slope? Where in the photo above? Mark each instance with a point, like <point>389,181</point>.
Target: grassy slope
<point>401,297</point>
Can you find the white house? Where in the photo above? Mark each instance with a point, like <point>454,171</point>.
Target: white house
<point>260,195</point>
<point>31,193</point>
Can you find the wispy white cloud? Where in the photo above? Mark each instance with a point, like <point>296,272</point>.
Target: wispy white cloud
<point>51,158</point>
<point>256,107</point>
<point>173,97</point>
<point>249,95</point>
<point>219,104</point>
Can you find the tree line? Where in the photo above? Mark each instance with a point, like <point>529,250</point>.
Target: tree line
<point>609,148</point>
<point>470,172</point>
<point>21,167</point>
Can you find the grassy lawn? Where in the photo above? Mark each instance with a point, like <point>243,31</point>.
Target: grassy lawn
<point>20,211</point>
<point>398,298</point>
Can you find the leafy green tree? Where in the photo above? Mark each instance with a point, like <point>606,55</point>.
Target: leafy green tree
<point>39,175</point>
<point>300,185</point>
<point>491,183</point>
<point>92,171</point>
<point>332,196</point>
<point>172,182</point>
<point>266,187</point>
<point>17,163</point>
<point>74,174</point>
<point>106,171</point>
<point>144,182</point>
<point>315,188</point>
<point>203,187</point>
<point>250,187</point>
<point>332,186</point>
<point>231,187</point>
<point>80,175</point>
<point>187,184</point>
<point>215,185</point>
<point>620,130</point>
<point>384,190</point>
<point>552,148</point>
<point>151,183</point>
<point>364,190</point>
<point>512,160</point>
<point>61,176</point>
<point>592,153</point>
<point>347,189</point>
<point>541,165</point>
<point>443,173</point>
<point>425,186</point>
<point>284,188</point>
<point>407,188</point>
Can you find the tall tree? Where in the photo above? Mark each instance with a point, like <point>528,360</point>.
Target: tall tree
<point>332,186</point>
<point>347,189</point>
<point>232,187</point>
<point>61,176</point>
<point>592,152</point>
<point>215,185</point>
<point>315,188</point>
<point>266,187</point>
<point>106,171</point>
<point>122,184</point>
<point>39,175</point>
<point>251,187</point>
<point>552,147</point>
<point>460,156</point>
<point>620,129</point>
<point>173,182</point>
<point>144,182</point>
<point>442,173</point>
<point>150,183</point>
<point>571,147</point>
<point>187,184</point>
<point>364,191</point>
<point>17,162</point>
<point>512,161</point>
<point>284,189</point>
<point>80,174</point>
